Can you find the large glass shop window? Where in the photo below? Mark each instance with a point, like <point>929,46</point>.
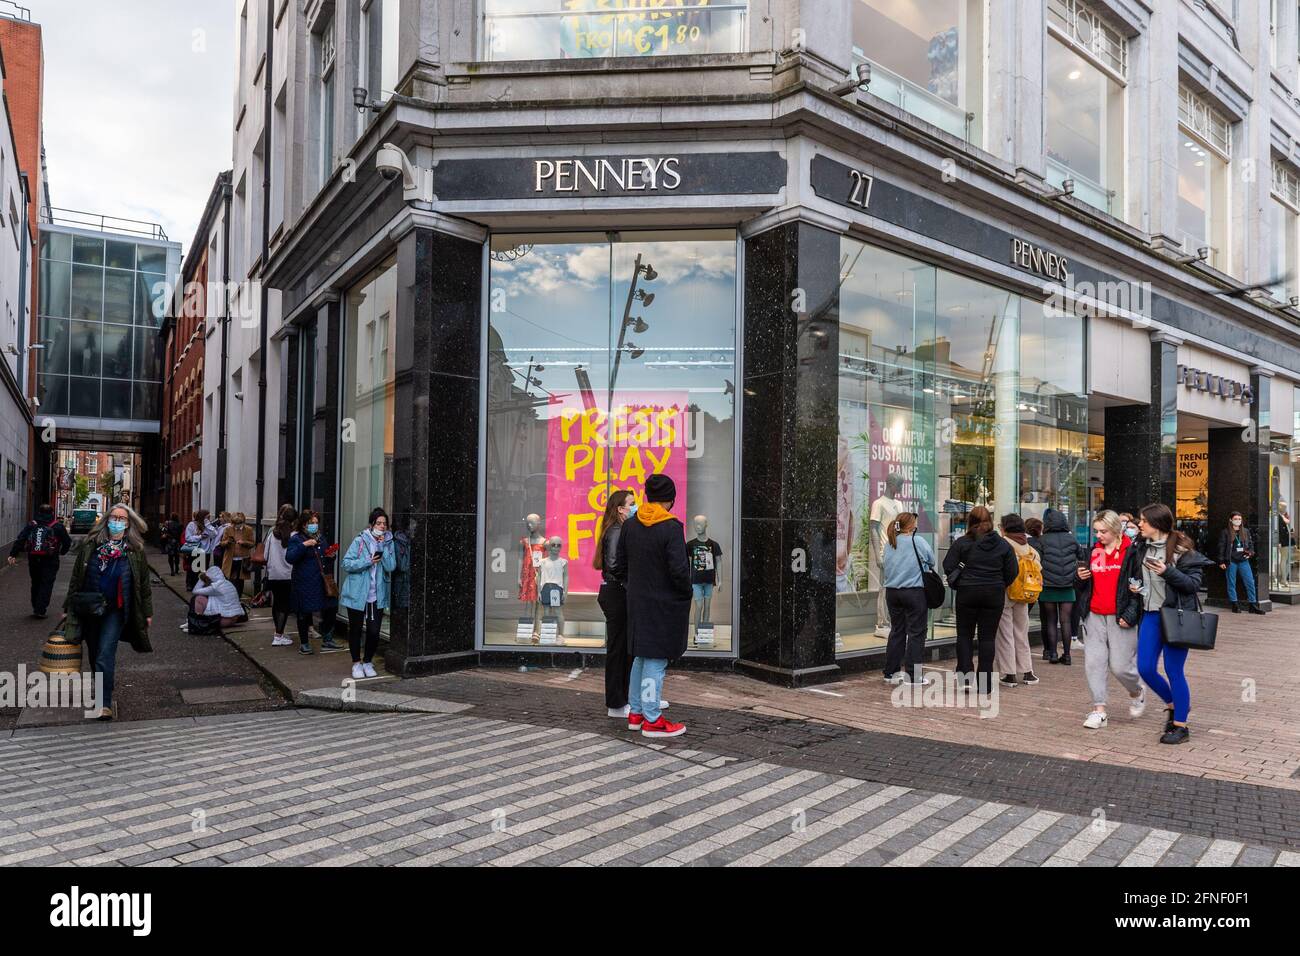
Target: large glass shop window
<point>947,401</point>
<point>581,29</point>
<point>366,432</point>
<point>608,361</point>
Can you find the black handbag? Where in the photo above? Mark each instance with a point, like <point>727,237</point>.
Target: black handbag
<point>930,580</point>
<point>86,604</point>
<point>1189,630</point>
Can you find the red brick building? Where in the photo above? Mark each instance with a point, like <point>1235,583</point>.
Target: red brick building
<point>183,334</point>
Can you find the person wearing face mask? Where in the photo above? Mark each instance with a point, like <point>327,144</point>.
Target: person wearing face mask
<point>613,602</point>
<point>109,597</point>
<point>1129,526</point>
<point>369,562</point>
<point>236,548</point>
<point>312,589</point>
<point>1236,548</point>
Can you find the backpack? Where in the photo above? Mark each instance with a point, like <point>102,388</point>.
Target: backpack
<point>42,542</point>
<point>1029,581</point>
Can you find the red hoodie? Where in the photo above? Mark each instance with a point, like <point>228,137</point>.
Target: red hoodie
<point>1105,576</point>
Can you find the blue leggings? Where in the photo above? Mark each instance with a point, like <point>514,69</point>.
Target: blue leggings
<point>1151,643</point>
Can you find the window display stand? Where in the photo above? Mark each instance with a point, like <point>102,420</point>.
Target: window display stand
<point>524,632</point>
<point>703,634</point>
<point>550,633</point>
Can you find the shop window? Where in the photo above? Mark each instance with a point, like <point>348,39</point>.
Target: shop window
<point>369,379</point>
<point>582,29</point>
<point>1084,72</point>
<point>952,394</point>
<point>1204,153</point>
<point>925,57</point>
<point>607,362</point>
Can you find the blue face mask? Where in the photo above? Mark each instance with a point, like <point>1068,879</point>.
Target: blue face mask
<point>116,526</point>
<point>313,528</point>
<point>631,510</point>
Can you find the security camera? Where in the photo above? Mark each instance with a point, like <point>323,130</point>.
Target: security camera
<point>859,80</point>
<point>417,184</point>
<point>239,396</point>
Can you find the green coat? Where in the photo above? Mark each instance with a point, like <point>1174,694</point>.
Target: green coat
<point>136,630</point>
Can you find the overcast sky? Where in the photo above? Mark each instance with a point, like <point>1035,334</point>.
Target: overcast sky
<point>138,105</point>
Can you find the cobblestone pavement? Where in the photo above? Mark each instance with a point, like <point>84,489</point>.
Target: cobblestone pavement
<point>309,787</point>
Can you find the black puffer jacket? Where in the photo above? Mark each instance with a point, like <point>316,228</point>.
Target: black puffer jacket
<point>986,560</point>
<point>1061,554</point>
<point>652,564</point>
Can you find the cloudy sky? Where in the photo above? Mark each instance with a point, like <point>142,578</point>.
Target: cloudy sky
<point>138,105</point>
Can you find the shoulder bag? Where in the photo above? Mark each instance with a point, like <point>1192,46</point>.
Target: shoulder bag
<point>86,604</point>
<point>331,586</point>
<point>1192,630</point>
<point>930,581</point>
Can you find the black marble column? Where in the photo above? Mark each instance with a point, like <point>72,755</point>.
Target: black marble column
<point>1239,463</point>
<point>788,449</point>
<point>287,445</point>
<point>436,437</point>
<point>1141,465</point>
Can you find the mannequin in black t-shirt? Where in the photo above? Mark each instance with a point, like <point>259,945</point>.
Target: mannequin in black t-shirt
<point>705,556</point>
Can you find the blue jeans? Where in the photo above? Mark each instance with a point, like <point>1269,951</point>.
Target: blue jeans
<point>1244,569</point>
<point>645,688</point>
<point>1151,644</point>
<point>101,638</point>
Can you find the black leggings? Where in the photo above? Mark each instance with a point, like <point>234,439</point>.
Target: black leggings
<point>979,610</point>
<point>280,603</point>
<point>371,619</point>
<point>1058,625</point>
<point>326,624</point>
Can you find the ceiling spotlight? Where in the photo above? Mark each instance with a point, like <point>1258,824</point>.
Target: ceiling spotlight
<point>647,298</point>
<point>634,351</point>
<point>639,326</point>
<point>650,274</point>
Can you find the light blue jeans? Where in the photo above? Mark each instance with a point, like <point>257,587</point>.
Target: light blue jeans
<point>1247,574</point>
<point>645,688</point>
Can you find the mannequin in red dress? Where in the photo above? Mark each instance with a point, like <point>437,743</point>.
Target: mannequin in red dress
<point>532,549</point>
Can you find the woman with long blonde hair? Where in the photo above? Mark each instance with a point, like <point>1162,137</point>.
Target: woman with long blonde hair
<point>109,597</point>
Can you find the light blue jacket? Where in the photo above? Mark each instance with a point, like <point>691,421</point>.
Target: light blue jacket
<point>357,563</point>
<point>901,569</point>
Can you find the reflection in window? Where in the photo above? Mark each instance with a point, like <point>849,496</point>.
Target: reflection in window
<point>1205,148</point>
<point>926,57</point>
<point>581,29</point>
<point>607,362</point>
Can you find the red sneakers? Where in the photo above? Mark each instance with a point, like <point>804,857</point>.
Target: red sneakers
<point>663,727</point>
<point>634,721</point>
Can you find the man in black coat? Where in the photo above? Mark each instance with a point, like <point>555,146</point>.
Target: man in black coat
<point>45,540</point>
<point>651,558</point>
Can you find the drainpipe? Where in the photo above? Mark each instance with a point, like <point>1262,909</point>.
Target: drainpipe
<point>268,112</point>
<point>219,500</point>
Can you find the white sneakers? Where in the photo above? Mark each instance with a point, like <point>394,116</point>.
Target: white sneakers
<point>358,672</point>
<point>370,670</point>
<point>1137,707</point>
<point>1095,721</point>
<point>619,713</point>
<point>281,640</point>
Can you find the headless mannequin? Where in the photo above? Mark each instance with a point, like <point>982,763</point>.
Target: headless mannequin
<point>883,512</point>
<point>554,570</point>
<point>530,563</point>
<point>702,605</point>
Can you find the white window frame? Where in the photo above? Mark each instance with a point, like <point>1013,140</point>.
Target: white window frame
<point>1081,27</point>
<point>1285,189</point>
<point>1211,129</point>
<point>327,56</point>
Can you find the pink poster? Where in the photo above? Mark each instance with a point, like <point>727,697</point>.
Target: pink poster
<point>592,453</point>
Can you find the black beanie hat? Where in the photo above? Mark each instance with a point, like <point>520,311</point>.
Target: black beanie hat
<point>45,508</point>
<point>660,488</point>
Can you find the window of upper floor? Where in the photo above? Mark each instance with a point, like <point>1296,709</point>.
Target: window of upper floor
<point>1204,194</point>
<point>1284,216</point>
<point>583,29</point>
<point>1085,72</point>
<point>377,67</point>
<point>925,57</point>
<point>324,98</point>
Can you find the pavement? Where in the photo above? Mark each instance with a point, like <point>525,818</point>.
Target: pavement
<point>508,766</point>
<point>183,677</point>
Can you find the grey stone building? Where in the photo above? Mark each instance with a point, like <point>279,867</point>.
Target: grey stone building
<point>821,262</point>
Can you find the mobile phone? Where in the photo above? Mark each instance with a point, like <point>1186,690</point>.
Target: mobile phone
<point>1151,562</point>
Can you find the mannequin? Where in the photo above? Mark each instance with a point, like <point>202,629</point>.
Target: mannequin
<point>532,550</point>
<point>705,556</point>
<point>553,581</point>
<point>884,510</point>
<point>1285,540</point>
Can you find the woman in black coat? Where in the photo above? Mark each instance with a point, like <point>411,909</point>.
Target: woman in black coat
<point>651,560</point>
<point>1062,557</point>
<point>980,567</point>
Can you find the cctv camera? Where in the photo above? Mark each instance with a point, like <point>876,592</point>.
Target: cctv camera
<point>417,184</point>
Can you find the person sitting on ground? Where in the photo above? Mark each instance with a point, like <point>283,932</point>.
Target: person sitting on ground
<point>220,601</point>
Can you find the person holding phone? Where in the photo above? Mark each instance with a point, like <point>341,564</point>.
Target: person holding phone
<point>1162,570</point>
<point>369,562</point>
<point>312,558</point>
<point>1236,549</point>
